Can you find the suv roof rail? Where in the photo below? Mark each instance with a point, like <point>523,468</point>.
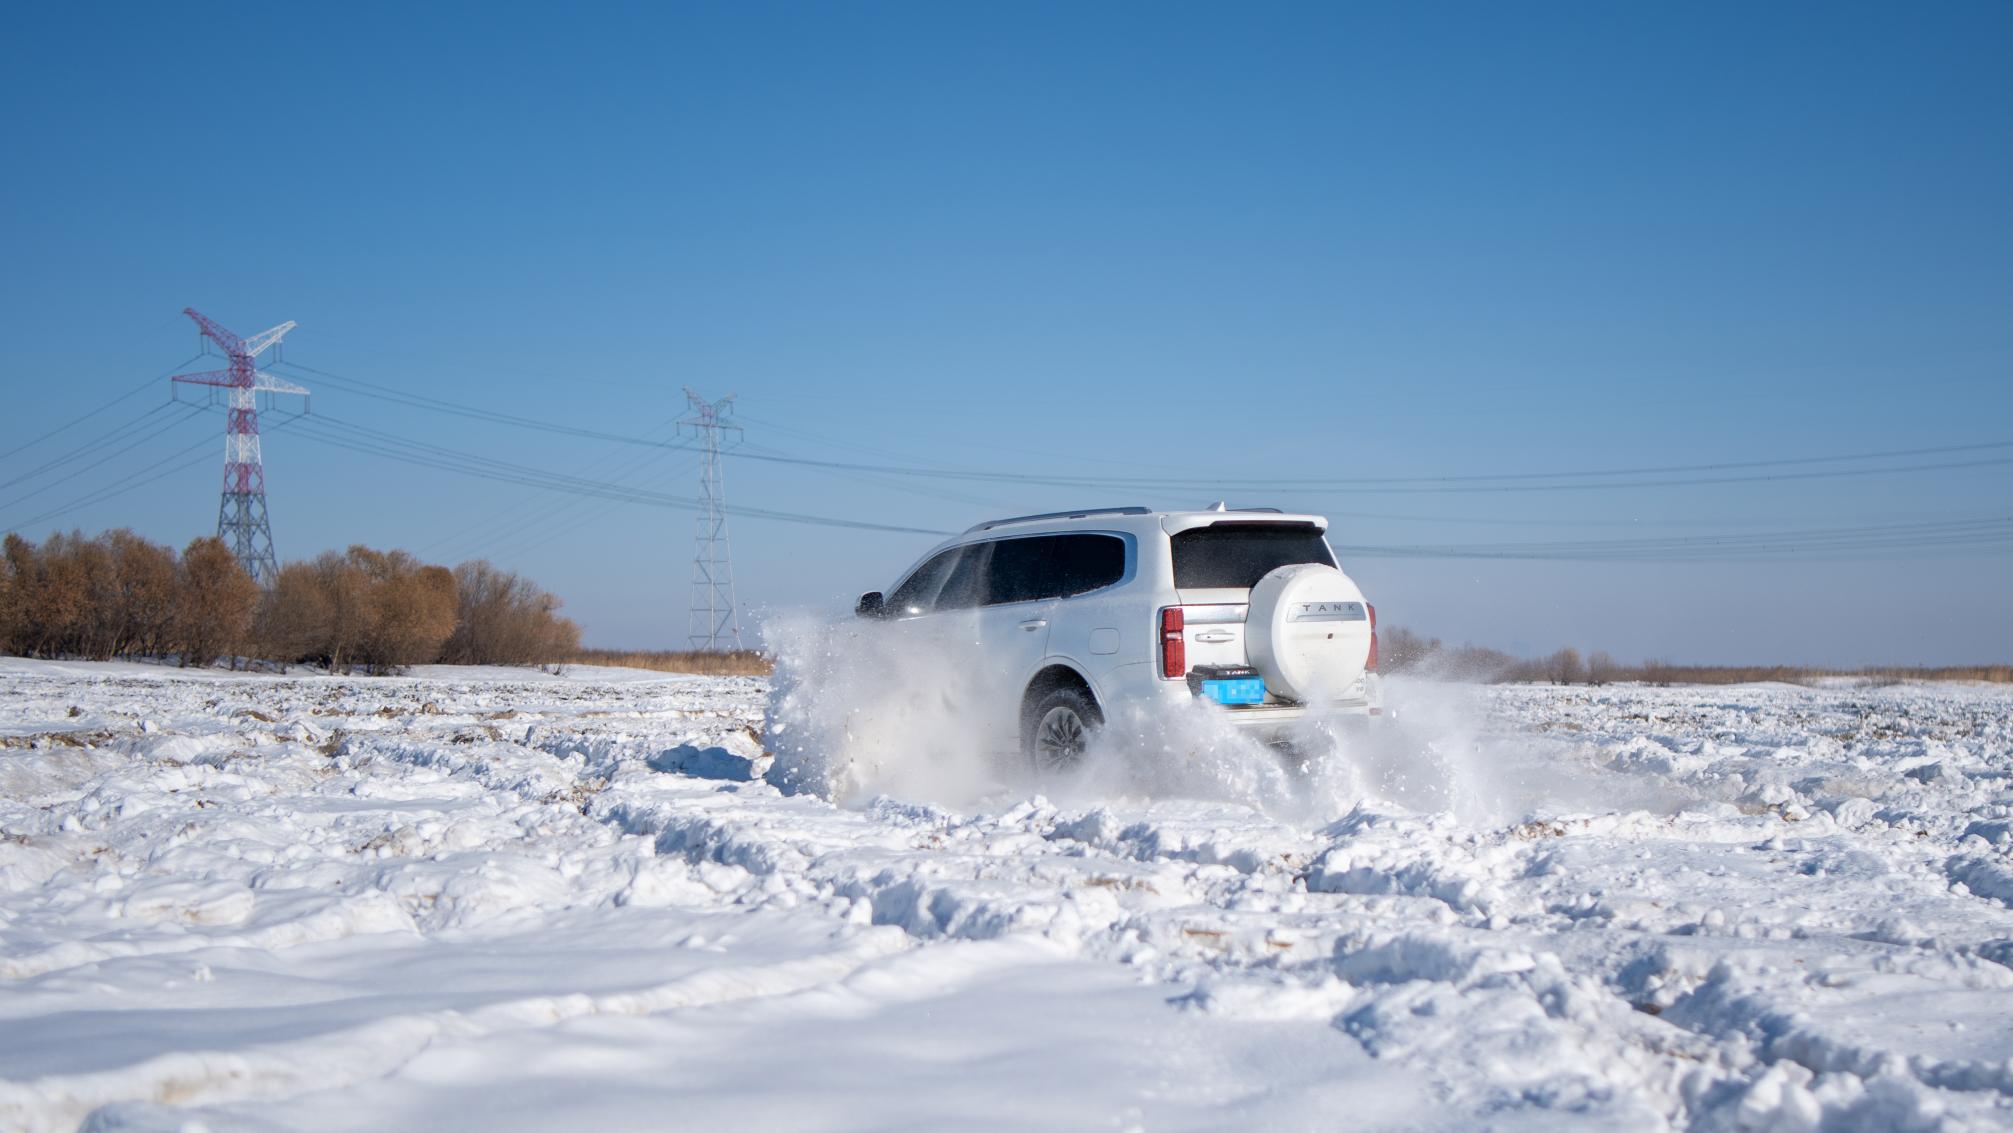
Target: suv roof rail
<point>1079,513</point>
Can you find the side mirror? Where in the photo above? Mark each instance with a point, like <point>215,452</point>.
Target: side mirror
<point>870,605</point>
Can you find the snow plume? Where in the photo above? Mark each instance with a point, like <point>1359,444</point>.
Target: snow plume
<point>859,708</point>
<point>1441,748</point>
<point>1429,754</point>
<point>862,708</point>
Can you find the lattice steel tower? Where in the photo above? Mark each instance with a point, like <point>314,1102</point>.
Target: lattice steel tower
<point>241,517</point>
<point>714,623</point>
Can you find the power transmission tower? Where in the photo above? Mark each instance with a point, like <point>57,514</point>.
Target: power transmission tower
<point>241,517</point>
<point>714,623</point>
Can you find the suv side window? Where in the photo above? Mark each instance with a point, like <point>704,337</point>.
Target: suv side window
<point>918,593</point>
<point>1021,570</point>
<point>1042,567</point>
<point>964,587</point>
<point>1087,562</point>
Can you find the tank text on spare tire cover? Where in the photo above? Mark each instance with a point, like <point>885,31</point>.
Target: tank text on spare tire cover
<point>1328,612</point>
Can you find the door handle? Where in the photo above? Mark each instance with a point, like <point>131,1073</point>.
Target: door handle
<point>1038,623</point>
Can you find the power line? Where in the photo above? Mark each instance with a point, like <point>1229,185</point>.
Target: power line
<point>1958,534</point>
<point>1974,533</point>
<point>470,464</point>
<point>1681,548</point>
<point>1675,475</point>
<point>76,421</point>
<point>102,460</point>
<point>84,450</point>
<point>132,481</point>
<point>512,521</point>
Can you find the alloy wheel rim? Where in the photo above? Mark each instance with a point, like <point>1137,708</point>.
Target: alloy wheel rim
<point>1059,739</point>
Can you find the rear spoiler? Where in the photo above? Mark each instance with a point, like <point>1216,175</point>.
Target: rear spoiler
<point>1179,522</point>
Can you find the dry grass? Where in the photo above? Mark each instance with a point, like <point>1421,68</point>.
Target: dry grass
<point>743,663</point>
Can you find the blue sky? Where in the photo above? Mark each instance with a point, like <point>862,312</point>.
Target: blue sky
<point>1261,243</point>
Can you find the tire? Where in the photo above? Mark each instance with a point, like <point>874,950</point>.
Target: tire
<point>1056,728</point>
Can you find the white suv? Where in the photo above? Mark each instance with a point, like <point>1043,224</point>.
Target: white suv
<point>1067,616</point>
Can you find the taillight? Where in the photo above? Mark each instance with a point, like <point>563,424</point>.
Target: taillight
<point>1173,647</point>
<point>1370,664</point>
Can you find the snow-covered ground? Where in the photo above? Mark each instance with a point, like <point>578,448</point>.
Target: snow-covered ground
<point>505,900</point>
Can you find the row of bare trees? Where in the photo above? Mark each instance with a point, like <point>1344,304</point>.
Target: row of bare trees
<point>1400,650</point>
<point>119,595</point>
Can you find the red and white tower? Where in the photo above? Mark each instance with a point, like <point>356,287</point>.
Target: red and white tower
<point>241,517</point>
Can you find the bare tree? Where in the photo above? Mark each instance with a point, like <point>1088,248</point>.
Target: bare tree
<point>293,622</point>
<point>60,597</point>
<point>119,595</point>
<point>1399,649</point>
<point>95,631</point>
<point>18,571</point>
<point>1601,668</point>
<point>415,612</point>
<point>1563,667</point>
<point>142,609</point>
<point>214,605</point>
<point>505,619</point>
<point>351,603</point>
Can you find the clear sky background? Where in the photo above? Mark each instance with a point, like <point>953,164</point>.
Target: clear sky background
<point>1172,243</point>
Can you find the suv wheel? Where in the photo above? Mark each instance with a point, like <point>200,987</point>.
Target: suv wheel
<point>1059,725</point>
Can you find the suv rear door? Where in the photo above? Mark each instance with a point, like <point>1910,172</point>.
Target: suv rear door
<point>1215,567</point>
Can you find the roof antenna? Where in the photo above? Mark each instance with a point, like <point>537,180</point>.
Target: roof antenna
<point>1219,506</point>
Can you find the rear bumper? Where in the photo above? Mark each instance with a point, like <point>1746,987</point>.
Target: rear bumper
<point>1263,715</point>
<point>1139,686</point>
<point>1366,699</point>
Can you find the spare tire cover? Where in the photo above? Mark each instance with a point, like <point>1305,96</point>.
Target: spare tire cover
<point>1308,632</point>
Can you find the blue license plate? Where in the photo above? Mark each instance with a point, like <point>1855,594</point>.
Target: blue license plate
<point>1238,690</point>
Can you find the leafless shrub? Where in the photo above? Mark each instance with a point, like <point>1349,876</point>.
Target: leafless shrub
<point>294,618</point>
<point>1400,650</point>
<point>12,587</point>
<point>1474,663</point>
<point>119,595</point>
<point>55,597</point>
<point>140,613</point>
<point>352,609</point>
<point>505,619</point>
<point>411,609</point>
<point>1601,668</point>
<point>1564,668</point>
<point>214,603</point>
<point>379,610</point>
<point>87,567</point>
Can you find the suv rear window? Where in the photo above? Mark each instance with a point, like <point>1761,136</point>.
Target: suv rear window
<point>1239,554</point>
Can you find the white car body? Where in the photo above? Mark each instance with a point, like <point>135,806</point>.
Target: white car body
<point>1115,638</point>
